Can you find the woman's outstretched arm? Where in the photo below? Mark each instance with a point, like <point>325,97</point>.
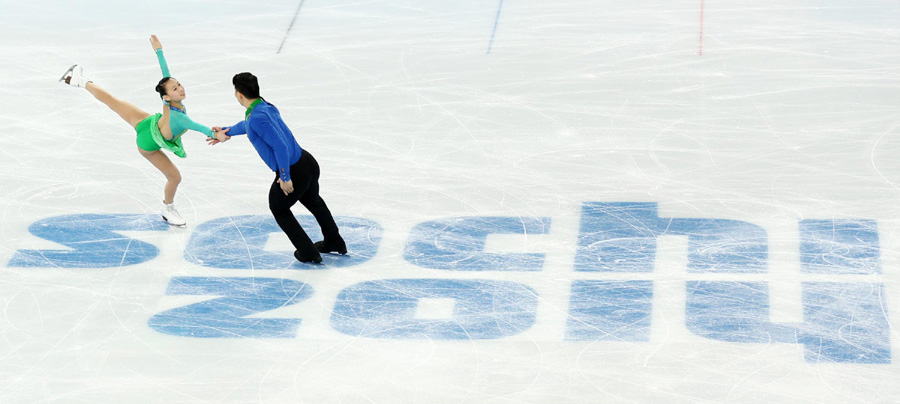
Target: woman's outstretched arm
<point>157,47</point>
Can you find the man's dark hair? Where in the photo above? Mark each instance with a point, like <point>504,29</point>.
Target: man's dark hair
<point>246,84</point>
<point>161,87</point>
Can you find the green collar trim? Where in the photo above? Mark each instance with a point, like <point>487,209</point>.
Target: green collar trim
<point>250,108</point>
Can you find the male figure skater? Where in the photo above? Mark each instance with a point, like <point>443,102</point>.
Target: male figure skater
<point>296,171</point>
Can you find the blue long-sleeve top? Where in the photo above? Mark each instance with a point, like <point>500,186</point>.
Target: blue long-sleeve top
<point>178,119</point>
<point>270,136</point>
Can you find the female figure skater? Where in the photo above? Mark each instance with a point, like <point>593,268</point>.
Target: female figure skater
<point>154,132</point>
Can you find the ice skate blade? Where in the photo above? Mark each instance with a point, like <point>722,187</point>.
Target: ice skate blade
<point>71,69</point>
<point>180,226</point>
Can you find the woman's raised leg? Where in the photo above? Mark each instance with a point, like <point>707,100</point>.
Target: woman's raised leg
<point>130,113</point>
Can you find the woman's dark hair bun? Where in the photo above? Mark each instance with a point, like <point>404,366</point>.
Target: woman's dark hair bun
<point>161,87</point>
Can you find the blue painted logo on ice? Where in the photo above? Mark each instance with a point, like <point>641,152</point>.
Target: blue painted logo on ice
<point>843,322</point>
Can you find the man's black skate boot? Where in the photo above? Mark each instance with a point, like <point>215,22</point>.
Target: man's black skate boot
<point>317,259</point>
<point>339,247</point>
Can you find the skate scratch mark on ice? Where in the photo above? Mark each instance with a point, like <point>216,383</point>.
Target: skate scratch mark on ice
<point>283,40</point>
<point>872,156</point>
<point>702,6</point>
<point>244,239</point>
<point>494,31</point>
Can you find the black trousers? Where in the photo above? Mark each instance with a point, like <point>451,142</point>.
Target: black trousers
<point>305,177</point>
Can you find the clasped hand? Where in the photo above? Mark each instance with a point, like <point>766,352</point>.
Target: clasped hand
<point>221,136</point>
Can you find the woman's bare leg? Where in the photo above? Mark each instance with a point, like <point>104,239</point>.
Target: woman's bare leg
<point>163,164</point>
<point>130,113</point>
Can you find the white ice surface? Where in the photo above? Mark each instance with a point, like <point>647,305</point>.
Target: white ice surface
<point>791,112</point>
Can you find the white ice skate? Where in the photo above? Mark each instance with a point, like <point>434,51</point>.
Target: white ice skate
<point>75,77</point>
<point>171,215</point>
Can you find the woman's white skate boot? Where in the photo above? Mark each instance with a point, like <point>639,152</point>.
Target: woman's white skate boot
<point>171,215</point>
<point>75,77</point>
